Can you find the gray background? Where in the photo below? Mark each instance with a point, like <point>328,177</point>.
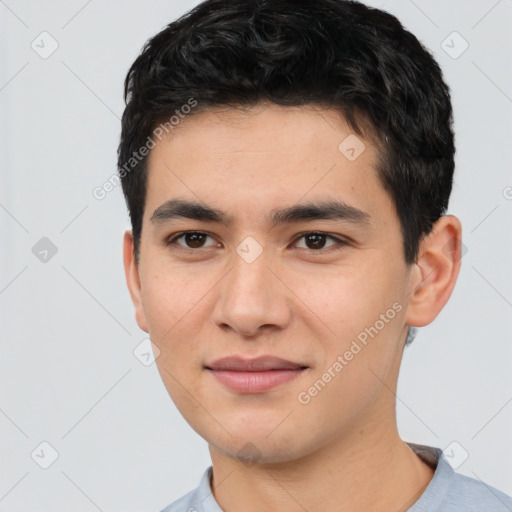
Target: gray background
<point>68,373</point>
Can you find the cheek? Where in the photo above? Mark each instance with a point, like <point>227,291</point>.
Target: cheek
<point>168,296</point>
<point>179,362</point>
<point>362,316</point>
<point>348,300</point>
<point>172,305</point>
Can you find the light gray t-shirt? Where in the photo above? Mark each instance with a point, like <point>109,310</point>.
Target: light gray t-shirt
<point>448,491</point>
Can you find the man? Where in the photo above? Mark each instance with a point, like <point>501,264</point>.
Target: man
<point>287,166</point>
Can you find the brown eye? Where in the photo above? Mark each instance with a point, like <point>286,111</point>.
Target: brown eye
<point>317,240</point>
<point>192,239</point>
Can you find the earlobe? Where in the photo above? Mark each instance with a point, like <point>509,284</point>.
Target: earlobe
<point>435,272</point>
<point>131,271</point>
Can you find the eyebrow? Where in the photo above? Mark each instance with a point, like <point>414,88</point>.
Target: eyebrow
<point>319,210</point>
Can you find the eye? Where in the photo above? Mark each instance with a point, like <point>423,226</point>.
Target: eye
<point>316,240</point>
<point>192,239</point>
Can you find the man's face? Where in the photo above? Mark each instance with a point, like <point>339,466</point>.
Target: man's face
<point>257,288</point>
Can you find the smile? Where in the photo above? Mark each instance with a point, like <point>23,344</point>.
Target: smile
<point>254,375</point>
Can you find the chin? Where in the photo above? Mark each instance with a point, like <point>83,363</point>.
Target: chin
<point>251,452</point>
<point>255,447</point>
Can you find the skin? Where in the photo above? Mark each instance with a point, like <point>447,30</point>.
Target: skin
<point>294,301</point>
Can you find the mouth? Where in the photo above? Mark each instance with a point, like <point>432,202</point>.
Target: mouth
<point>254,375</point>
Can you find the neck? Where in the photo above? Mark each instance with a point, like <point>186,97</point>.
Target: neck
<point>368,469</point>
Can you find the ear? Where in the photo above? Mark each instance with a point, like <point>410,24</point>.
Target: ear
<point>131,271</point>
<point>435,271</point>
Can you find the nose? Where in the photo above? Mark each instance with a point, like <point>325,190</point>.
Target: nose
<point>252,299</point>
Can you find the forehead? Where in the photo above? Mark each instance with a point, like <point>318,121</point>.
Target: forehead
<point>264,157</point>
<point>267,127</point>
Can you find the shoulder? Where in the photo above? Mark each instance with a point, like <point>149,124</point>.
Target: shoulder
<point>184,504</point>
<point>449,491</point>
<point>472,495</point>
<point>200,499</point>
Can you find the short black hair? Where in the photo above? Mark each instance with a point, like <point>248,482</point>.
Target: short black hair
<point>334,53</point>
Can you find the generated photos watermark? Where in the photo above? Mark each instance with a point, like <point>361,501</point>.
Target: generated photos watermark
<point>113,181</point>
<point>342,360</point>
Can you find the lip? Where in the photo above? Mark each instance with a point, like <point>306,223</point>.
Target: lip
<point>254,375</point>
<point>257,364</point>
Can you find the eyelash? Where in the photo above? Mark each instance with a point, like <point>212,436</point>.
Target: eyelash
<point>340,242</point>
